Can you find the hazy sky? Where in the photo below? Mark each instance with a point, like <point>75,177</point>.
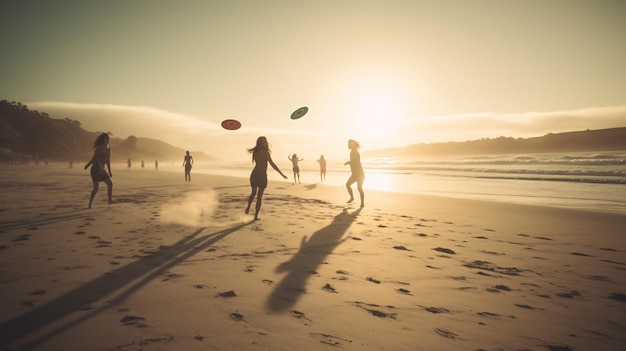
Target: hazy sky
<point>386,72</point>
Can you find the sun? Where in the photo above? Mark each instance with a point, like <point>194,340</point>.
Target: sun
<point>377,115</point>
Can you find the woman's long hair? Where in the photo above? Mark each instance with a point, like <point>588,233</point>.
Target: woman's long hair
<point>261,144</point>
<point>102,139</point>
<point>354,143</point>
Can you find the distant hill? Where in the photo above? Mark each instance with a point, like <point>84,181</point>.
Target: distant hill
<point>613,139</point>
<point>27,134</point>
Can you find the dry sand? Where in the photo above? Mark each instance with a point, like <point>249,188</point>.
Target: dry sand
<point>178,266</point>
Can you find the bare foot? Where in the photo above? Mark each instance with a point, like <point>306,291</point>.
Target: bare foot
<point>349,201</point>
<point>247,210</point>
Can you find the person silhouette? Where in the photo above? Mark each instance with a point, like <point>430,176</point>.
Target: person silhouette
<point>156,164</point>
<point>101,157</point>
<point>358,175</point>
<point>187,162</point>
<point>322,162</point>
<point>261,156</point>
<point>296,169</point>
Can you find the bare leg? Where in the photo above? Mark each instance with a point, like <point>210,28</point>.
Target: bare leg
<point>361,193</point>
<point>348,184</point>
<point>250,198</point>
<point>259,200</point>
<point>109,190</point>
<point>96,186</point>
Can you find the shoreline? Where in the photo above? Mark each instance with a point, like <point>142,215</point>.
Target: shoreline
<point>174,265</point>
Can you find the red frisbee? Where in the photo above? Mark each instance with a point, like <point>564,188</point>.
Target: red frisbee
<point>231,124</point>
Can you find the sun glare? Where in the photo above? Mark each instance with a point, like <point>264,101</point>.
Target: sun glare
<point>377,115</point>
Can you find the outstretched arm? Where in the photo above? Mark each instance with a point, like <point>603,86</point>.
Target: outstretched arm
<point>271,162</point>
<point>89,163</point>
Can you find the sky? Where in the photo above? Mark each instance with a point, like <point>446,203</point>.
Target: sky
<point>387,73</point>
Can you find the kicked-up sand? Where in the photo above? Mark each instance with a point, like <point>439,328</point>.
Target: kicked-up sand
<point>178,266</point>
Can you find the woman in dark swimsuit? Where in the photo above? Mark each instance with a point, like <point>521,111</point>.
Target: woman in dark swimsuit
<point>101,157</point>
<point>187,162</point>
<point>258,178</point>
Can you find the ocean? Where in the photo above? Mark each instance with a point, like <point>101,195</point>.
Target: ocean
<point>591,181</point>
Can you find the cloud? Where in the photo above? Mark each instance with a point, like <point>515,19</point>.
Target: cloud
<point>189,132</point>
<point>197,133</point>
<point>519,125</point>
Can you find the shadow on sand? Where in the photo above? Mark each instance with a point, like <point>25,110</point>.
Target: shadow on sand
<point>306,261</point>
<point>147,268</point>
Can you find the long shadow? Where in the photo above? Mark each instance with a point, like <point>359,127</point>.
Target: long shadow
<point>151,266</point>
<point>30,222</point>
<point>311,255</point>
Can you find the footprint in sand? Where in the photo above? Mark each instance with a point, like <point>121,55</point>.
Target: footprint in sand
<point>22,237</point>
<point>570,294</point>
<point>370,279</point>
<point>172,276</point>
<point>618,296</point>
<point>133,320</point>
<point>528,307</point>
<point>237,317</point>
<point>229,293</point>
<point>581,254</point>
<point>436,310</point>
<point>299,315</point>
<point>329,288</point>
<point>374,312</point>
<point>29,303</point>
<point>445,333</point>
<point>444,250</point>
<point>403,291</point>
<point>328,339</point>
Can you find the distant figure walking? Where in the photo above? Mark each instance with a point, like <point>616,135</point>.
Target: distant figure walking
<point>142,164</point>
<point>322,162</point>
<point>128,163</point>
<point>356,168</point>
<point>296,169</point>
<point>156,164</point>
<point>101,157</point>
<point>187,162</point>
<point>71,163</point>
<point>261,156</point>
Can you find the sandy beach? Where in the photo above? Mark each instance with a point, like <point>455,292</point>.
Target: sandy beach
<point>178,266</point>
